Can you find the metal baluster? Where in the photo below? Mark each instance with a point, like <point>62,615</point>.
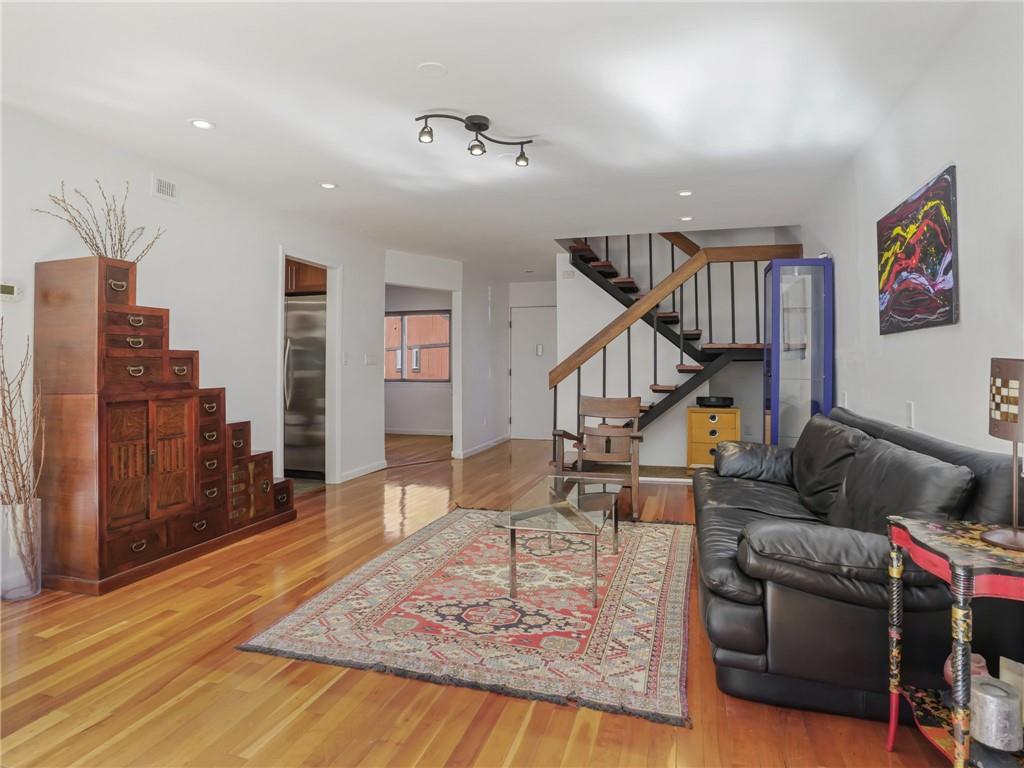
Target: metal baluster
<point>629,361</point>
<point>554,428</point>
<point>711,315</point>
<point>604,371</point>
<point>654,335</point>
<point>696,303</point>
<point>607,255</point>
<point>681,345</point>
<point>629,259</point>
<point>757,305</point>
<point>732,298</point>
<point>650,260</point>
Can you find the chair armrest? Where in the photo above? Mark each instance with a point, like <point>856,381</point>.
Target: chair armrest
<point>755,461</point>
<point>636,436</point>
<point>564,434</point>
<point>837,563</point>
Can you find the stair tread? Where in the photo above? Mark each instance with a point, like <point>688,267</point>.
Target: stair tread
<point>663,387</point>
<point>692,333</point>
<point>687,368</point>
<point>669,318</point>
<point>622,279</point>
<point>732,345</point>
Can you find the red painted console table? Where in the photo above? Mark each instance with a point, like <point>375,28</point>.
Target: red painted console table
<point>954,552</point>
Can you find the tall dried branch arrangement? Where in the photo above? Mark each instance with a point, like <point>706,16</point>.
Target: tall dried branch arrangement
<point>105,232</point>
<point>21,455</point>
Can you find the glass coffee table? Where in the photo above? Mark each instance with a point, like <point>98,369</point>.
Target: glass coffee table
<point>578,505</point>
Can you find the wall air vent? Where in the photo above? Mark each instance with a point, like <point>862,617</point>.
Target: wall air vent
<point>164,188</point>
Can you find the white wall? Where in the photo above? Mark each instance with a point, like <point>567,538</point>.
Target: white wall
<point>966,110</point>
<point>540,294</point>
<point>417,407</point>
<point>219,269</point>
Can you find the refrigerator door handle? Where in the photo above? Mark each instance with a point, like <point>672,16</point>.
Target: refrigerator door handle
<point>289,374</point>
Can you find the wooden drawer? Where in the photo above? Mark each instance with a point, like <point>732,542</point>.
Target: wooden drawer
<point>210,436</point>
<point>130,550</point>
<point>182,368</point>
<point>284,495</point>
<point>211,404</point>
<point>263,484</point>
<point>195,528</point>
<point>135,320</point>
<point>239,432</point>
<point>702,454</point>
<point>118,283</point>
<point>702,421</point>
<point>212,464</point>
<point>713,433</point>
<point>132,371</point>
<point>132,344</point>
<point>212,493</point>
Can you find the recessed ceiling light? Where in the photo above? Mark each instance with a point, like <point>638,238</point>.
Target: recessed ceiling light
<point>686,218</point>
<point>528,271</point>
<point>328,184</point>
<point>685,193</point>
<point>204,125</point>
<point>432,70</point>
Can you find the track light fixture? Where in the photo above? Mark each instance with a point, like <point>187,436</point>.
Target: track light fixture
<point>478,126</point>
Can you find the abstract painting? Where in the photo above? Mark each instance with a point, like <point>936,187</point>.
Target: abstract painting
<point>917,259</point>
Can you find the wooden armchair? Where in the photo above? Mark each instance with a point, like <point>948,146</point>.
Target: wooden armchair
<point>606,443</point>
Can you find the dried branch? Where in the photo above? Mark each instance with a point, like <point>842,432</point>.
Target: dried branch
<point>105,233</point>
<point>21,437</point>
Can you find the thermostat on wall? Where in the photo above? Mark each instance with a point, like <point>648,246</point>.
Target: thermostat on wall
<point>10,291</point>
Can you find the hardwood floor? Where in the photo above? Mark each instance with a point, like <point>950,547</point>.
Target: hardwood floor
<point>149,675</point>
<point>400,450</point>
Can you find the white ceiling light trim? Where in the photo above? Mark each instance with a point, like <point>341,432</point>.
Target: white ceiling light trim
<point>202,124</point>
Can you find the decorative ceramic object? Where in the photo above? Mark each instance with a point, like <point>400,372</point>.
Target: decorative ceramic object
<point>20,545</point>
<point>995,714</point>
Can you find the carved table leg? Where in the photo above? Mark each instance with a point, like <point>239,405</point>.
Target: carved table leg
<point>895,639</point>
<point>963,589</point>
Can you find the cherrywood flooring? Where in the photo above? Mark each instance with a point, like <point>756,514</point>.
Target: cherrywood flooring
<point>400,450</point>
<point>149,675</point>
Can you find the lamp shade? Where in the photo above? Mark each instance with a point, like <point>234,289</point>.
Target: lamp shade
<point>1005,419</point>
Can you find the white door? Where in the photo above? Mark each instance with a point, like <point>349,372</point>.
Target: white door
<point>533,353</point>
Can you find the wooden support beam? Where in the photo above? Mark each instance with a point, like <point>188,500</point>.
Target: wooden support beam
<point>682,242</point>
<point>754,252</point>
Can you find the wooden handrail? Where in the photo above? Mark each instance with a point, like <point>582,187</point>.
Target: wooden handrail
<point>660,292</point>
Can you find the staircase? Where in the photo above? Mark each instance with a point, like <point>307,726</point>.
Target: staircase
<point>666,307</point>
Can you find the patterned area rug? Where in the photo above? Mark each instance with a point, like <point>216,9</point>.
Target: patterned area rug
<point>436,607</point>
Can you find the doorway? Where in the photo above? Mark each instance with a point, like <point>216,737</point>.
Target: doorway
<point>305,373</point>
<point>417,375</point>
<point>532,353</point>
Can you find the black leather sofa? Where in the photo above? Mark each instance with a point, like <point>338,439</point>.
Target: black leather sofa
<point>793,553</point>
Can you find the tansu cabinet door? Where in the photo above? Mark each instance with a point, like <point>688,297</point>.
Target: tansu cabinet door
<point>127,486</point>
<point>172,455</point>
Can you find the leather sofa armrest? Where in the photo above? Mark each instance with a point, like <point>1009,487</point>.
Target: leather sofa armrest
<point>837,563</point>
<point>755,461</point>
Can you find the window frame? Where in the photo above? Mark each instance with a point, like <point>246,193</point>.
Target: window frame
<point>404,347</point>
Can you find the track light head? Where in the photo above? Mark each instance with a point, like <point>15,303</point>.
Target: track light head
<point>476,147</point>
<point>521,159</point>
<point>426,133</point>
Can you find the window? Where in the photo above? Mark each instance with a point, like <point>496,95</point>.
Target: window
<point>417,346</point>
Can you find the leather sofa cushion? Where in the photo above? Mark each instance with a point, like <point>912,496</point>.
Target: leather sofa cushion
<point>836,563</point>
<point>755,461</point>
<point>820,461</point>
<point>712,491</point>
<point>884,479</point>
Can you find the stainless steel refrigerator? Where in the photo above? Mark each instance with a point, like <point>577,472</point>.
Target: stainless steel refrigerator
<point>305,390</point>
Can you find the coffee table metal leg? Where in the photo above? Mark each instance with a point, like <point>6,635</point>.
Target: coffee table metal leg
<point>615,525</point>
<point>593,589</point>
<point>512,562</point>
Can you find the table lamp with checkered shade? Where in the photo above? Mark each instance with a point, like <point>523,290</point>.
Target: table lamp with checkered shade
<point>1006,421</point>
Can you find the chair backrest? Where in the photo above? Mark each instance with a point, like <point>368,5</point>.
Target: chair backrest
<point>606,442</point>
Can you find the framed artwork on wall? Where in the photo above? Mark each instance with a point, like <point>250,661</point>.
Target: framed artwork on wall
<point>918,283</point>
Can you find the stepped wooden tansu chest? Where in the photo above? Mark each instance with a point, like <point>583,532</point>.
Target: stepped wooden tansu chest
<point>141,471</point>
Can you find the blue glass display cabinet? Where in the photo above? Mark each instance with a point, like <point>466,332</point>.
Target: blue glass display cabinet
<point>798,358</point>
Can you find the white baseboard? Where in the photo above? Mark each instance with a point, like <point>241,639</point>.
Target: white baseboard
<point>352,474</point>
<point>480,448</point>
<point>433,432</point>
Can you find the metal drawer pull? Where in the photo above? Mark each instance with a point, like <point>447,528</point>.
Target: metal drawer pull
<point>138,546</point>
<point>713,451</point>
<point>282,498</point>
<point>211,493</point>
<point>135,370</point>
<point>265,486</point>
<point>713,417</point>
<point>179,370</point>
<point>136,321</point>
<point>713,433</point>
<point>211,436</point>
<point>211,464</point>
<point>238,443</point>
<point>118,285</point>
<point>209,407</point>
<point>135,341</point>
<point>199,525</point>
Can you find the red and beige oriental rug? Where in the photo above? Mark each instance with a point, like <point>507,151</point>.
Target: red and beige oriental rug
<point>436,607</point>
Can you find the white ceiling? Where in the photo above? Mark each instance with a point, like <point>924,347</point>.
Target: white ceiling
<point>753,107</point>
